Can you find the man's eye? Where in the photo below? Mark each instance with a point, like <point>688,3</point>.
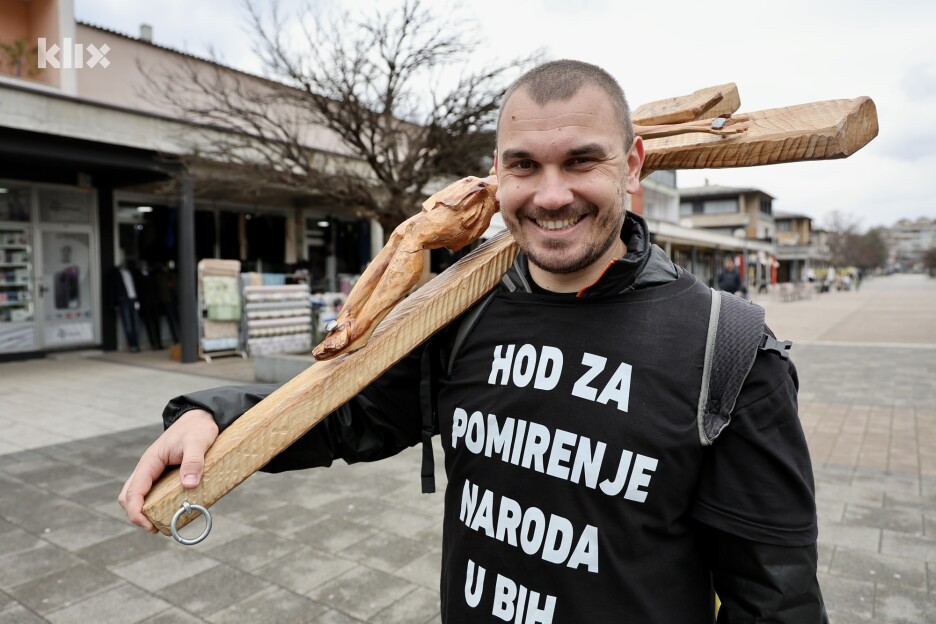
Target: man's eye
<point>581,161</point>
<point>524,164</point>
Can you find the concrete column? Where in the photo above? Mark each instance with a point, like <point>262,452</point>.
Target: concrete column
<point>106,227</point>
<point>188,301</point>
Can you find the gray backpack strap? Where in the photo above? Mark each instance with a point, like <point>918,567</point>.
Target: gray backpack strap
<point>465,325</point>
<point>735,333</point>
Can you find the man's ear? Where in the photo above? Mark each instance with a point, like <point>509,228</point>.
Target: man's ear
<point>635,161</point>
<point>494,172</point>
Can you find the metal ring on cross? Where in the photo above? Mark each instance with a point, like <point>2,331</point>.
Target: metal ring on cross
<point>188,508</point>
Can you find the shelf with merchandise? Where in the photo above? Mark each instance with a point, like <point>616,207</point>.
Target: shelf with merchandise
<point>12,314</point>
<point>277,319</point>
<point>19,296</point>
<point>13,238</point>
<point>9,278</point>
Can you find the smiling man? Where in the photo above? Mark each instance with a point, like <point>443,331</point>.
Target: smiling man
<point>583,483</point>
<point>565,164</point>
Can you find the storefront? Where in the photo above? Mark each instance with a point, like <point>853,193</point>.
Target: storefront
<point>276,244</point>
<point>49,268</point>
<point>703,252</point>
<point>96,183</point>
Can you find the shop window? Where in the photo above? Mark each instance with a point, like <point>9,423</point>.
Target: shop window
<point>147,233</point>
<point>266,240</point>
<point>689,208</point>
<point>335,250</point>
<point>229,247</point>
<point>318,248</point>
<point>205,234</point>
<point>721,206</point>
<point>64,206</point>
<point>158,236</point>
<point>352,245</point>
<point>14,203</point>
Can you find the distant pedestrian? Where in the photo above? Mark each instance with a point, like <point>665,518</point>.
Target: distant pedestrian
<point>729,279</point>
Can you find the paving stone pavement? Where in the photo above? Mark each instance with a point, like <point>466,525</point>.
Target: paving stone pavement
<point>360,544</point>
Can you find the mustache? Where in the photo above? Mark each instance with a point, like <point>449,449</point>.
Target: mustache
<point>569,211</point>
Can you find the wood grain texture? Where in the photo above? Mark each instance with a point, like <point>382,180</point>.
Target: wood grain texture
<point>276,422</point>
<point>708,103</point>
<point>815,131</point>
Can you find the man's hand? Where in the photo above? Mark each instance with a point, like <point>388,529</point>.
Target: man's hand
<point>183,444</point>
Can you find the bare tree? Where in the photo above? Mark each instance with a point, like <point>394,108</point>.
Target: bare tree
<point>850,247</point>
<point>370,82</point>
<point>841,228</point>
<point>929,261</point>
<point>867,251</point>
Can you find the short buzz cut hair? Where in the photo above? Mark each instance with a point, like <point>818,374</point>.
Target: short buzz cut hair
<point>562,79</point>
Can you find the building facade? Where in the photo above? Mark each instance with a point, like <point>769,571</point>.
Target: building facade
<point>802,252</point>
<point>743,214</point>
<point>908,241</point>
<point>96,175</point>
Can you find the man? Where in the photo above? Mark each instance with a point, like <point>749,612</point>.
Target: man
<point>729,279</point>
<point>578,488</point>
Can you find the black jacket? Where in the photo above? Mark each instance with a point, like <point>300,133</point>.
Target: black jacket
<point>730,281</point>
<point>756,581</point>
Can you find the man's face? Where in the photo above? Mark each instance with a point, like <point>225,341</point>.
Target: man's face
<point>563,176</point>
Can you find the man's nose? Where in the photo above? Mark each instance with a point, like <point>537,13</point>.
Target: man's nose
<point>553,191</point>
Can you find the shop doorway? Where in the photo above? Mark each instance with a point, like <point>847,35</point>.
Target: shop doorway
<point>145,273</point>
<point>67,268</point>
<point>66,287</point>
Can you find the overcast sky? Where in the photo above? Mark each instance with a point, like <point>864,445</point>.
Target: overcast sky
<point>779,54</point>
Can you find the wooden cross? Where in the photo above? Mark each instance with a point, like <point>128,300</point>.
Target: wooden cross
<point>815,131</point>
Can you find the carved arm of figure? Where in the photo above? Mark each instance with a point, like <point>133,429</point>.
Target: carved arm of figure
<point>454,217</point>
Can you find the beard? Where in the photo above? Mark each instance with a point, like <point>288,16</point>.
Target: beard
<point>573,261</point>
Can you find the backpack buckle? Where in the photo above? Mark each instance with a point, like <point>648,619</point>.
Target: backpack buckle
<point>780,347</point>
